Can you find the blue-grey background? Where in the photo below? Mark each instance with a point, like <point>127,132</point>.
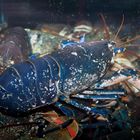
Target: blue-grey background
<point>31,12</point>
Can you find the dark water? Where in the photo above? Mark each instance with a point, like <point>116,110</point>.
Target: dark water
<point>32,12</point>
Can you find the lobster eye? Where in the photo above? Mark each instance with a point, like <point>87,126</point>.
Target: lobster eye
<point>111,45</point>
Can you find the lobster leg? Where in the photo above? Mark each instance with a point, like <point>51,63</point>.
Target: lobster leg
<point>97,97</point>
<point>103,92</point>
<point>68,112</point>
<point>100,94</point>
<point>125,74</point>
<point>87,109</point>
<point>95,125</point>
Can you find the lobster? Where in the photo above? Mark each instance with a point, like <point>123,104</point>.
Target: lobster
<point>32,84</point>
<point>35,83</point>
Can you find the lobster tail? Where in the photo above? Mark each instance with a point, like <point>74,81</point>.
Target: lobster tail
<point>27,85</point>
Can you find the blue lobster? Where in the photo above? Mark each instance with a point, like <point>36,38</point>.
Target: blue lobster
<point>60,78</point>
<point>35,83</point>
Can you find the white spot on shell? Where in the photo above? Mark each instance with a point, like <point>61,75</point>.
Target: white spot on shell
<point>74,53</point>
<point>109,45</point>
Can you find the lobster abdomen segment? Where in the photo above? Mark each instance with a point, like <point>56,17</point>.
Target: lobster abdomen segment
<point>27,85</point>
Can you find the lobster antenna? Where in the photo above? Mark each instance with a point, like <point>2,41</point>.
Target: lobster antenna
<point>135,38</point>
<point>125,66</point>
<point>119,28</point>
<point>132,53</point>
<point>105,26</point>
<point>133,45</point>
